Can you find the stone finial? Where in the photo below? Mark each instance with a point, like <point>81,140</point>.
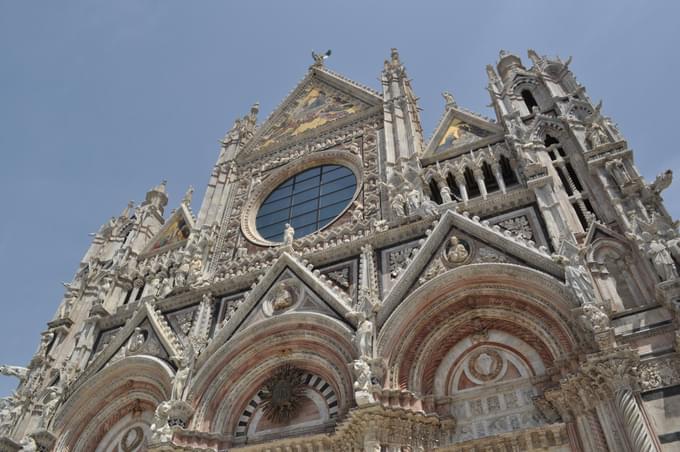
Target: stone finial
<point>534,57</point>
<point>187,196</point>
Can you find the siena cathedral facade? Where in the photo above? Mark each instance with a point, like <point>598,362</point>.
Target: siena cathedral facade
<point>508,284</point>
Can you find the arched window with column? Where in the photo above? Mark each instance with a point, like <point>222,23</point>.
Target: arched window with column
<point>453,185</point>
<point>435,194</point>
<point>489,179</point>
<point>529,99</point>
<point>509,176</point>
<point>471,184</point>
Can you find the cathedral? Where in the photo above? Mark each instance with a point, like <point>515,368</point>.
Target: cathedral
<point>349,284</point>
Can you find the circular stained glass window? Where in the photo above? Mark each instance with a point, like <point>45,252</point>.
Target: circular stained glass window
<point>307,201</point>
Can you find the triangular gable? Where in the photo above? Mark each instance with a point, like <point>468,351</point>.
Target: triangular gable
<point>460,131</point>
<point>597,230</point>
<point>145,317</point>
<point>286,267</point>
<point>174,232</point>
<point>320,99</point>
<point>495,239</point>
<point>296,297</point>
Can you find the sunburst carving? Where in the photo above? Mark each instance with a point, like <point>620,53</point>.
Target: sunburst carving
<point>282,393</point>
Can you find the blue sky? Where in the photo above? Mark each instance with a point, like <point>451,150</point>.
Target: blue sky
<point>101,100</point>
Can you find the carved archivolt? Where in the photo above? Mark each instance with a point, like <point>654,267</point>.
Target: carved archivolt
<point>224,386</point>
<point>132,385</point>
<point>447,309</point>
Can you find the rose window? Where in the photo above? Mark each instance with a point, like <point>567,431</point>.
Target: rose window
<point>308,201</point>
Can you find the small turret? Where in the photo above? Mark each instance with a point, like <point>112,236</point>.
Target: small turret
<point>157,197</point>
<point>506,63</point>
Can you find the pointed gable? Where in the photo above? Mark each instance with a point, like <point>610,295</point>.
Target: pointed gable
<point>493,245</point>
<point>288,286</point>
<point>320,99</point>
<point>147,332</point>
<point>175,231</point>
<point>460,130</point>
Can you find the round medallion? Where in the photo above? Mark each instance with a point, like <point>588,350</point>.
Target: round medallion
<point>485,365</point>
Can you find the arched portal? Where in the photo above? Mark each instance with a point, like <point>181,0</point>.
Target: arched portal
<point>113,410</point>
<point>475,342</point>
<point>298,357</point>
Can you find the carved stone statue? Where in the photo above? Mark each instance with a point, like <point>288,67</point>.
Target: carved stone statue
<point>413,198</point>
<point>28,445</point>
<point>362,375</point>
<point>662,260</point>
<point>14,371</point>
<point>362,382</point>
<point>288,235</point>
<point>66,306</point>
<point>661,182</point>
<point>179,382</point>
<point>10,410</point>
<point>357,212</point>
<point>427,208</point>
<point>103,292</point>
<point>319,57</point>
<point>619,172</point>
<point>136,341</point>
<point>448,98</point>
<point>363,338</point>
<point>577,278</point>
<point>456,252</point>
<point>187,196</point>
<point>594,318</point>
<point>45,342</point>
<point>283,298</point>
<point>596,135</point>
<point>50,403</point>
<point>397,205</point>
<point>161,432</point>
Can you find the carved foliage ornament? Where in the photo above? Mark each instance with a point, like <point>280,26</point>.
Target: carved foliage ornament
<point>282,393</point>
